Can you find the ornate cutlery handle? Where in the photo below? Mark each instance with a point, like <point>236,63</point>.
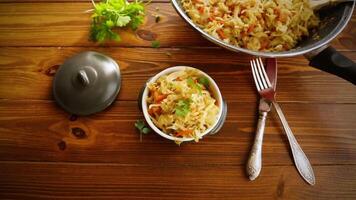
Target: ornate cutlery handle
<point>301,161</point>
<point>254,163</point>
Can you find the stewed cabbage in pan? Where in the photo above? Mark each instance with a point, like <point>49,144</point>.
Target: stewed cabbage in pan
<point>259,25</point>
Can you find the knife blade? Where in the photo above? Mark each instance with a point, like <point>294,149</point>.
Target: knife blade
<point>254,163</point>
<point>271,70</point>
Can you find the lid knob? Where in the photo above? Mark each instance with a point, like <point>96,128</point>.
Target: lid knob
<point>83,78</point>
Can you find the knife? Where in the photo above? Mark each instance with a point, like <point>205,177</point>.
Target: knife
<point>254,163</point>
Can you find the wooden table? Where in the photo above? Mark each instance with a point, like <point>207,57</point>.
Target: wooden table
<point>46,153</point>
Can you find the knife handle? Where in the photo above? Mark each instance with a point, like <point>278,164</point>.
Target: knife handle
<point>254,163</point>
<point>300,159</point>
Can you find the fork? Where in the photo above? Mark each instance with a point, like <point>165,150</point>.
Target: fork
<point>266,91</point>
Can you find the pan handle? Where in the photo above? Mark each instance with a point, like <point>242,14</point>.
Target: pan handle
<point>334,62</point>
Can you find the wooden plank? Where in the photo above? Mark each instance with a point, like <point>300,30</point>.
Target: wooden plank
<point>108,181</point>
<point>73,1</point>
<point>27,73</point>
<point>40,131</point>
<point>66,24</point>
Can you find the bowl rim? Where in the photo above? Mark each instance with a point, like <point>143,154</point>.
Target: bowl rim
<point>217,95</point>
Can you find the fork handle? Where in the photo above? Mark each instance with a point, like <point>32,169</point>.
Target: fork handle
<point>300,159</point>
<point>254,163</point>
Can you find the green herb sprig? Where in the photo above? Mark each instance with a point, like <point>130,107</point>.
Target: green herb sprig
<point>111,14</point>
<point>155,44</point>
<point>182,107</point>
<point>141,126</point>
<point>204,81</point>
<point>191,83</point>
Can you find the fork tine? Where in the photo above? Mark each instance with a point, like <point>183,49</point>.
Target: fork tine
<point>255,75</point>
<point>264,73</point>
<point>260,73</point>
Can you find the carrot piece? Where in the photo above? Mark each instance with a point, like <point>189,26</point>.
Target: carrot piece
<point>285,47</point>
<point>163,96</point>
<point>152,90</point>
<point>232,7</point>
<point>155,110</point>
<point>201,10</point>
<point>243,34</point>
<point>277,11</point>
<point>221,34</point>
<point>160,98</point>
<point>250,28</point>
<point>157,97</point>
<point>184,133</point>
<point>150,111</point>
<point>282,17</point>
<point>264,44</point>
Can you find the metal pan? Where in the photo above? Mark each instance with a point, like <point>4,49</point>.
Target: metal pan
<point>315,49</point>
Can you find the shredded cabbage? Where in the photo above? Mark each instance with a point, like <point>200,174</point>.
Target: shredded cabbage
<point>260,25</point>
<point>181,105</point>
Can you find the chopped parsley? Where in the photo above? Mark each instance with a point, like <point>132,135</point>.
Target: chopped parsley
<point>182,107</point>
<point>191,83</point>
<point>204,81</point>
<point>155,44</point>
<point>141,126</point>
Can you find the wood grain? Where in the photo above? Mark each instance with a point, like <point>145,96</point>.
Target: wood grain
<point>46,153</point>
<point>66,24</point>
<point>29,74</point>
<point>38,130</point>
<point>111,181</point>
<point>62,1</point>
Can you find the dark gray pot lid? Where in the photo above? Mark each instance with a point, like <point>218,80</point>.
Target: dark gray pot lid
<point>87,83</point>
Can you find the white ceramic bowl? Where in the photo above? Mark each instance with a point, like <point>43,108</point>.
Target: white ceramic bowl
<point>213,88</point>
